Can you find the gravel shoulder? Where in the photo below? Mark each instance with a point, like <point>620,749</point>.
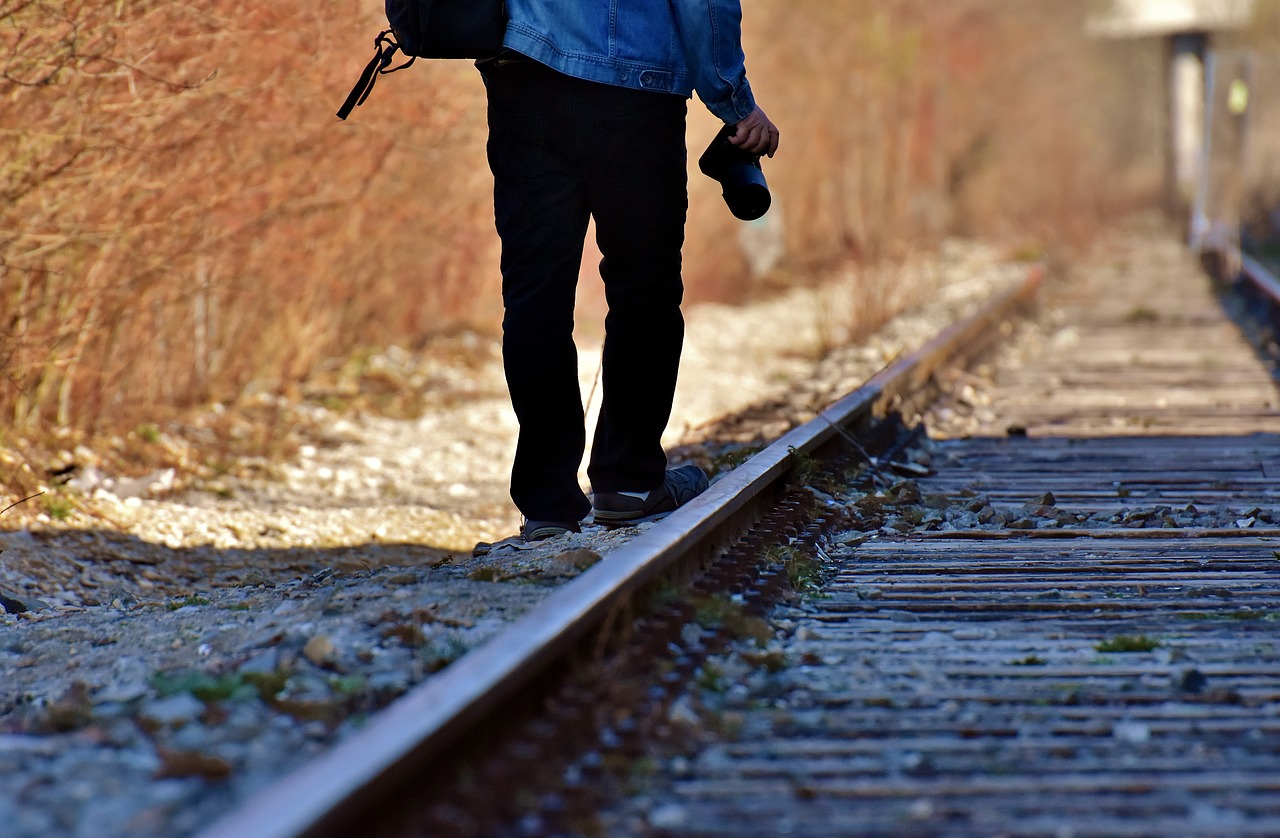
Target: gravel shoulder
<point>174,644</point>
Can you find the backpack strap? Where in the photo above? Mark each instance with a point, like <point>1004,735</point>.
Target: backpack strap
<point>385,47</point>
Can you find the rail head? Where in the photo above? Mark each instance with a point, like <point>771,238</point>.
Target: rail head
<point>320,797</point>
<point>1260,277</point>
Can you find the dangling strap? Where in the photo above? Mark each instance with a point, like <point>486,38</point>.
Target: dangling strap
<point>385,47</point>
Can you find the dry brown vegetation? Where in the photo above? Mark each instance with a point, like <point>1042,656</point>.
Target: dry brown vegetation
<point>182,217</point>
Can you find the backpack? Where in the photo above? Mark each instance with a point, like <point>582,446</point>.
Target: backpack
<point>431,29</point>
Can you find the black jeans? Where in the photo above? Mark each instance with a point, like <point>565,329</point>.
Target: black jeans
<point>563,150</point>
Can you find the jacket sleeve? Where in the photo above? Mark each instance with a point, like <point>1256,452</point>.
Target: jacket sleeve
<point>711,32</point>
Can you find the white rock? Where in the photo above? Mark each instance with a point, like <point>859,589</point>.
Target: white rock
<point>1132,732</point>
<point>122,691</point>
<point>922,809</point>
<point>155,483</point>
<point>14,743</point>
<point>974,634</point>
<point>668,816</point>
<point>87,480</point>
<point>682,712</point>
<point>174,711</point>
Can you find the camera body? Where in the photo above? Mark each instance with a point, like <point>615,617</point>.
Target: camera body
<point>739,175</point>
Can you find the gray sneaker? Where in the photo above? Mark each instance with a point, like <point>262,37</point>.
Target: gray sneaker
<point>542,530</point>
<point>622,509</point>
<point>530,532</point>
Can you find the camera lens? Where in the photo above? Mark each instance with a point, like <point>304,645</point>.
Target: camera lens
<point>739,174</point>
<point>746,193</point>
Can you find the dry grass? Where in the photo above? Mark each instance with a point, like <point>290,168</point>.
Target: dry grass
<point>182,219</point>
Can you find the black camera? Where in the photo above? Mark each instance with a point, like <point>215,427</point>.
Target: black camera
<point>740,175</point>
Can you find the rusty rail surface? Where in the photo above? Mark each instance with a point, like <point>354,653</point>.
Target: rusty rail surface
<point>325,796</point>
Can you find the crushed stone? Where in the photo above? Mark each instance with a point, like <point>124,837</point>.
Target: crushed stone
<point>171,649</point>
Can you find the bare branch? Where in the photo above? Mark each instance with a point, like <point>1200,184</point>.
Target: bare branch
<point>24,500</point>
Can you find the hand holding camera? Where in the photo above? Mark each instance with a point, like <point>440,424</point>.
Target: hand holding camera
<point>756,134</point>
<point>733,159</point>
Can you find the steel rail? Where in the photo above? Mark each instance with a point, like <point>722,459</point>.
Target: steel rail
<point>1263,280</point>
<point>324,796</point>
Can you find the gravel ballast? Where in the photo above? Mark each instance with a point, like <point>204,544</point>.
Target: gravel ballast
<point>173,645</point>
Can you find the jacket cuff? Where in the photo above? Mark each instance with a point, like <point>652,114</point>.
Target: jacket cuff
<point>737,107</point>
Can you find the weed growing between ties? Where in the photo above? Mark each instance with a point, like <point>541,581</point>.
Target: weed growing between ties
<point>1030,660</point>
<point>805,573</point>
<point>1128,643</point>
<point>804,467</point>
<point>723,612</point>
<point>810,472</point>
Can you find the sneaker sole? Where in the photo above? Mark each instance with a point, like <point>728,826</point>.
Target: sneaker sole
<point>547,533</point>
<point>615,519</point>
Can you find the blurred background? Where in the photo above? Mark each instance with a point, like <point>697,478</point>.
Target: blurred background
<point>184,220</point>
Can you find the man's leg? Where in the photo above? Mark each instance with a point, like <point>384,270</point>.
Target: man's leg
<point>637,184</point>
<point>541,214</point>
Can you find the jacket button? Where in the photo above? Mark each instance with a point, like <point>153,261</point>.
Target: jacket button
<point>646,79</point>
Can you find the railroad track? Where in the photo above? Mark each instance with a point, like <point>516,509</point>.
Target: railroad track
<point>1038,630</point>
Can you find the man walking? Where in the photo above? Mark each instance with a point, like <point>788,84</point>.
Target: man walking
<point>587,105</point>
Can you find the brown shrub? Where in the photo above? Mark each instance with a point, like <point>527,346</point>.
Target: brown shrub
<point>182,215</point>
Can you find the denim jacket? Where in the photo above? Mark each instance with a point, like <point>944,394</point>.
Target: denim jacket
<point>668,46</point>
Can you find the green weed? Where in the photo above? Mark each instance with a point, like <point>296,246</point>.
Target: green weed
<point>804,573</point>
<point>58,507</point>
<point>803,467</point>
<point>710,678</point>
<point>203,686</point>
<point>175,604</point>
<point>442,651</point>
<point>663,594</point>
<point>729,460</point>
<point>345,685</point>
<point>1128,643</point>
<point>1030,660</point>
<point>719,611</point>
